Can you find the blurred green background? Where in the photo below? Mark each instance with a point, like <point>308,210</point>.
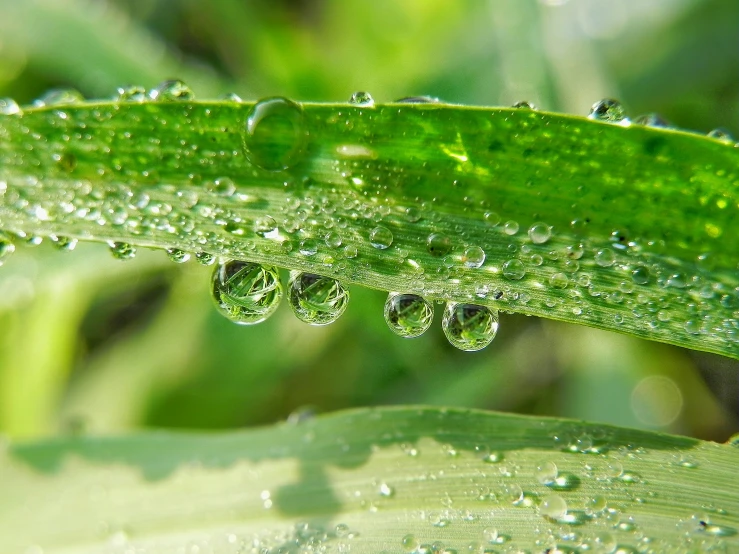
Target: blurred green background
<point>90,344</point>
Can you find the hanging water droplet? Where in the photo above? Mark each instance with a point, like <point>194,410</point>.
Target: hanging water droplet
<point>473,257</point>
<point>315,299</point>
<point>58,97</point>
<point>553,506</point>
<point>514,269</point>
<point>65,244</point>
<point>468,326</point>
<point>539,233</point>
<point>607,110</point>
<point>131,94</point>
<point>173,90</point>
<point>122,250</point>
<point>381,237</point>
<point>275,134</point>
<point>6,246</point>
<point>178,256</point>
<point>438,244</point>
<point>266,227</point>
<point>8,106</point>
<point>363,99</point>
<point>205,258</point>
<point>408,315</point>
<point>246,293</point>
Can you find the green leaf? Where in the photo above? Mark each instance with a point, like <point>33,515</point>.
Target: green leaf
<point>620,227</point>
<point>374,480</point>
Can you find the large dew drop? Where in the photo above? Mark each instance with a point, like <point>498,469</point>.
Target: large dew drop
<point>315,299</point>
<point>381,237</point>
<point>8,106</point>
<point>245,292</point>
<point>275,134</point>
<point>363,99</point>
<point>408,315</point>
<point>607,110</point>
<point>6,247</point>
<point>468,326</point>
<point>171,91</point>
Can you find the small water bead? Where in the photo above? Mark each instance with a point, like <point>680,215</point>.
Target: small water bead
<point>510,228</point>
<point>122,250</point>
<point>412,214</point>
<point>559,280</point>
<point>275,134</point>
<point>607,110</point>
<point>438,244</point>
<point>363,99</point>
<point>418,100</point>
<point>59,97</point>
<point>473,257</point>
<point>333,240</point>
<point>266,227</point>
<point>553,506</point>
<point>178,256</point>
<point>546,473</point>
<point>65,244</point>
<point>205,258</point>
<point>539,233</point>
<point>491,218</point>
<point>652,120</point>
<point>350,251</point>
<point>524,105</point>
<point>8,106</point>
<point>6,246</point>
<point>246,293</point>
<point>381,237</point>
<point>315,299</point>
<point>131,94</point>
<point>223,186</point>
<point>595,504</point>
<point>514,269</point>
<point>408,315</point>
<point>308,247</point>
<point>173,90</point>
<point>469,327</point>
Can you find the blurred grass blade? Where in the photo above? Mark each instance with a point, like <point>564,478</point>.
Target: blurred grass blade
<point>626,228</point>
<point>378,480</point>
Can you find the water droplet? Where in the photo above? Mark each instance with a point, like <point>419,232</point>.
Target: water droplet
<point>6,247</point>
<point>386,490</point>
<point>223,186</point>
<point>605,258</point>
<point>513,493</point>
<point>652,120</point>
<point>514,269</point>
<point>308,247</point>
<point>595,504</point>
<point>607,110</point>
<point>333,240</point>
<point>408,315</point>
<point>539,233</point>
<point>640,275</point>
<point>173,90</point>
<point>510,228</point>
<point>122,250</point>
<point>524,105</point>
<point>276,134</point>
<point>315,299</point>
<point>733,440</point>
<point>58,97</point>
<point>381,237</point>
<point>473,257</point>
<point>350,251</point>
<point>546,473</point>
<point>722,135</point>
<point>131,94</point>
<point>266,227</point>
<point>363,99</point>
<point>418,100</point>
<point>468,326</point>
<point>438,244</point>
<point>205,258</point>
<point>65,244</point>
<point>409,543</point>
<point>559,280</point>
<point>245,292</point>
<point>178,256</point>
<point>8,106</point>
<point>553,506</point>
